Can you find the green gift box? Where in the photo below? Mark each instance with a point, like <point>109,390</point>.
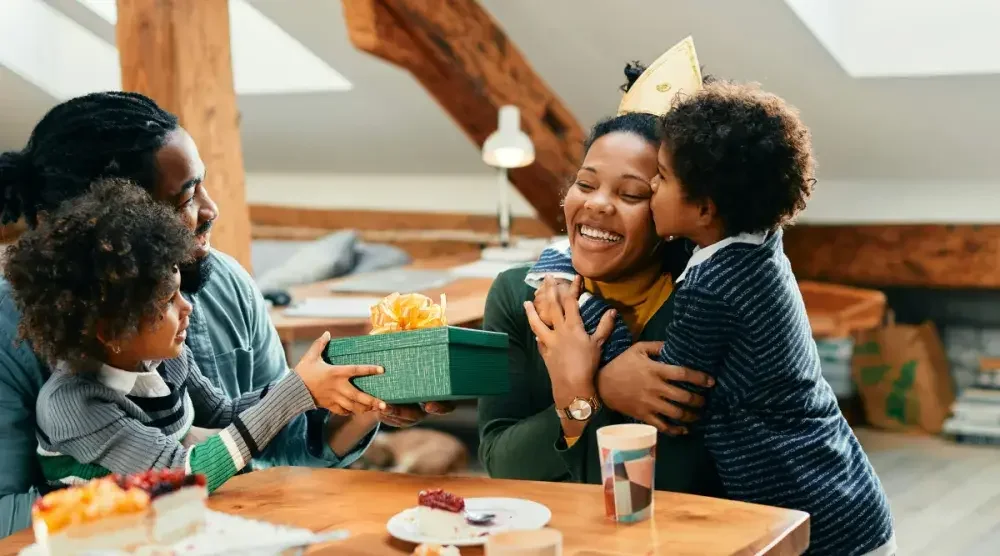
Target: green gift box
<point>435,364</point>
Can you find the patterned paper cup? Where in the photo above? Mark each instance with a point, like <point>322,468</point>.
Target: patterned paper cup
<point>628,463</point>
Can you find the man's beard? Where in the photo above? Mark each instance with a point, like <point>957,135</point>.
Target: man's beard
<point>195,274</point>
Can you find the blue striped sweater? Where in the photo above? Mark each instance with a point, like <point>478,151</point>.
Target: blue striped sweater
<point>772,423</point>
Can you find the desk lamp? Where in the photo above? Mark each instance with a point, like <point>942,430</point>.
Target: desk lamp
<point>507,147</point>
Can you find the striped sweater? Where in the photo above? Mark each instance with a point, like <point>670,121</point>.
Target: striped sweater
<point>772,423</point>
<point>113,421</point>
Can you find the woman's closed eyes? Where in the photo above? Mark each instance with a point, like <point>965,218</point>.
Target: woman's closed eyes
<point>629,196</point>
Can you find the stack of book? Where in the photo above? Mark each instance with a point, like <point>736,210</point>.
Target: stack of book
<point>975,415</point>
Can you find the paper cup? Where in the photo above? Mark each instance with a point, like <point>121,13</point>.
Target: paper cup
<point>628,467</point>
<point>541,542</point>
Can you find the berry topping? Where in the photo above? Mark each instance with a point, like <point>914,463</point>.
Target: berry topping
<point>441,500</point>
<point>158,482</point>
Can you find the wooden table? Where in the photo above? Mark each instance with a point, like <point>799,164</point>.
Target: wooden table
<point>363,501</point>
<point>466,302</point>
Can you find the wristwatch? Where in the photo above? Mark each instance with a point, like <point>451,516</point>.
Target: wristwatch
<point>580,409</point>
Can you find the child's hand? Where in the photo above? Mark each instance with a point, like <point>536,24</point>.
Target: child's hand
<point>330,385</point>
<point>570,353</point>
<point>548,299</point>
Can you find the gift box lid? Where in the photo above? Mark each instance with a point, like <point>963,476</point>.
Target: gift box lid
<point>451,335</point>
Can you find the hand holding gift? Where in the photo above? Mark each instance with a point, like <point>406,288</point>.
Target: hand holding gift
<point>330,385</point>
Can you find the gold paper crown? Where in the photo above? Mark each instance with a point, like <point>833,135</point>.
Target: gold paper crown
<point>675,72</point>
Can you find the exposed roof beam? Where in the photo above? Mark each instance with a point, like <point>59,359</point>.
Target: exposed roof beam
<point>466,62</point>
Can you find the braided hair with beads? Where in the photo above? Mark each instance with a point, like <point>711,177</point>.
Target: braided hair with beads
<point>100,135</point>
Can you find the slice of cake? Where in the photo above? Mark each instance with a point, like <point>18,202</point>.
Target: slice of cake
<point>177,499</point>
<point>99,515</point>
<point>119,513</point>
<point>441,515</point>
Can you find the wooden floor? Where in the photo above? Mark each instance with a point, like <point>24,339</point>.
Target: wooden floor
<point>945,497</point>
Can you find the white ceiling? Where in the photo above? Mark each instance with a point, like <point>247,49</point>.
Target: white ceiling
<point>913,128</point>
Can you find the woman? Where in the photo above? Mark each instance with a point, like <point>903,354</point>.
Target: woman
<point>615,248</point>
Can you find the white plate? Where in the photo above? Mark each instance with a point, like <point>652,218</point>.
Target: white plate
<point>511,513</point>
<point>230,534</point>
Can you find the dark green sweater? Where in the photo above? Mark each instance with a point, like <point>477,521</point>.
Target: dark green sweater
<point>520,434</point>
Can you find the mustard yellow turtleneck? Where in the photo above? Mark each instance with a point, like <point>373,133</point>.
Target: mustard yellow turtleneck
<point>638,297</point>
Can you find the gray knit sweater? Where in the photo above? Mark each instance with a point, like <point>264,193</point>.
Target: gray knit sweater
<point>114,421</point>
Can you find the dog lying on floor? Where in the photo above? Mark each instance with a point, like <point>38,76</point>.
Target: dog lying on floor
<point>416,451</point>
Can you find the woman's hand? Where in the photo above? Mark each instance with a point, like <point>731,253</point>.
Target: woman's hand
<point>330,385</point>
<point>636,385</point>
<point>570,354</point>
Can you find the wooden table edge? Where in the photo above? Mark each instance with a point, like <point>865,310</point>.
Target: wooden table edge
<point>791,538</point>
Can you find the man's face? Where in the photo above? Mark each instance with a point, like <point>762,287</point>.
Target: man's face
<point>180,173</point>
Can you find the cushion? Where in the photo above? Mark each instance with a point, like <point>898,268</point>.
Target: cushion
<point>327,257</point>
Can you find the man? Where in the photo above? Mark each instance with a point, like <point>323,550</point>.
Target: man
<point>126,135</point>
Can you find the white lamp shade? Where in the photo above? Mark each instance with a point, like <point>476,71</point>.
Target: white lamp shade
<point>508,146</point>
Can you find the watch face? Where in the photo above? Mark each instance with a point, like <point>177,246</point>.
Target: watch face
<point>580,410</point>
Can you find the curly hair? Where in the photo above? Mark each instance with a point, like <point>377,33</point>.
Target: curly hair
<point>103,261</point>
<point>100,135</point>
<point>642,125</point>
<point>744,149</point>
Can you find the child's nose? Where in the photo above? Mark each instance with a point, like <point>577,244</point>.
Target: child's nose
<point>185,307</point>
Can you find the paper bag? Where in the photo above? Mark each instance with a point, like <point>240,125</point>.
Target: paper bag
<point>902,375</point>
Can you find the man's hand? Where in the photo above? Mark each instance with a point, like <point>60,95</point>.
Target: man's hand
<point>402,416</point>
<point>636,385</point>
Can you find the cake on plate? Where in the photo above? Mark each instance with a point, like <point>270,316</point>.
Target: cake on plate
<point>177,501</point>
<point>441,515</point>
<point>120,513</point>
<point>435,550</point>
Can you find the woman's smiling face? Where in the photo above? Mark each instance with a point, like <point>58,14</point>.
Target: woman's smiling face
<point>610,227</point>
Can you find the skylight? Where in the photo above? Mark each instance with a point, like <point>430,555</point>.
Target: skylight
<point>52,51</point>
<point>901,38</point>
<point>266,59</point>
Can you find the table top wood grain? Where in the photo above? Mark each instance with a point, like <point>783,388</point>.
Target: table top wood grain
<point>466,303</point>
<point>363,501</point>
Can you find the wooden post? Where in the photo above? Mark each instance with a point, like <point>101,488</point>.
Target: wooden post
<point>177,53</point>
<point>466,62</point>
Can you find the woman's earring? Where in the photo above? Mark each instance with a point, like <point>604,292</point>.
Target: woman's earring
<point>116,348</point>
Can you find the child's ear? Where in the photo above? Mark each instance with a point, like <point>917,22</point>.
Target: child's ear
<point>706,212</point>
<point>102,335</point>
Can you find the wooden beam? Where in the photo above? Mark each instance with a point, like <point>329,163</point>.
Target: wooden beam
<point>177,53</point>
<point>459,53</point>
<point>376,220</point>
<point>935,256</point>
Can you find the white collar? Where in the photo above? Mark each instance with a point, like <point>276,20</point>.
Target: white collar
<point>702,254</point>
<point>148,381</point>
